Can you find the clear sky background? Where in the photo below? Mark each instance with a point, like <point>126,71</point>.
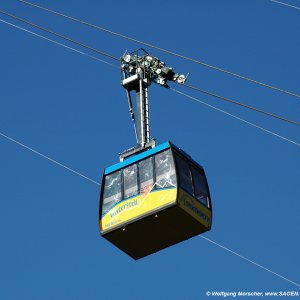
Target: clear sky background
<point>73,109</point>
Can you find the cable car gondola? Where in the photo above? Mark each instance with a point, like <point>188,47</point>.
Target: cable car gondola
<point>156,196</point>
<point>154,200</point>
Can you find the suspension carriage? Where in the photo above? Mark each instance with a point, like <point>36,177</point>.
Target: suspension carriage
<point>157,195</point>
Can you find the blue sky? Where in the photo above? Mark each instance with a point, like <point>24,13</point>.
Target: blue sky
<point>73,109</point>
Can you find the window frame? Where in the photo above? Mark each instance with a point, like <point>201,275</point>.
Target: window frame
<point>137,192</point>
<point>174,166</point>
<point>190,174</point>
<point>191,164</point>
<point>201,172</point>
<point>151,158</point>
<point>103,189</point>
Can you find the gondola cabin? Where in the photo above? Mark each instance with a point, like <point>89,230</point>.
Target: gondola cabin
<point>153,200</point>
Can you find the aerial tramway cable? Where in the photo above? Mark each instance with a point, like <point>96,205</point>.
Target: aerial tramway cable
<point>163,49</point>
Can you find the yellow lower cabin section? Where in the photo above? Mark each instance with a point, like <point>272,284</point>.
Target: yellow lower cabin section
<point>137,207</point>
<point>149,223</point>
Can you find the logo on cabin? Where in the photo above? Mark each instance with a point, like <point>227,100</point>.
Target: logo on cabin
<point>124,207</point>
<point>194,207</point>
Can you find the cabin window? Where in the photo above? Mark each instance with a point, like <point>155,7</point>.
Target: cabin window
<point>185,177</point>
<point>165,170</point>
<point>146,175</point>
<point>200,186</point>
<point>130,181</point>
<point>112,191</point>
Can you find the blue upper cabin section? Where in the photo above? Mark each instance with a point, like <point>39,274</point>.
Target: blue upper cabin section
<point>132,159</point>
<point>146,154</point>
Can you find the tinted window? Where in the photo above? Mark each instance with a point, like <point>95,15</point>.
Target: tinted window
<point>130,181</point>
<point>112,191</point>
<point>146,175</point>
<point>165,170</point>
<point>185,177</point>
<point>201,191</point>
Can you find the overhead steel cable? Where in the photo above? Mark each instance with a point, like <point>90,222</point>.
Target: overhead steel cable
<point>58,35</point>
<point>238,118</point>
<point>98,184</point>
<point>211,106</point>
<point>242,105</point>
<point>162,49</point>
<point>47,158</point>
<point>286,4</point>
<point>57,43</point>
<point>115,58</point>
<point>248,260</point>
